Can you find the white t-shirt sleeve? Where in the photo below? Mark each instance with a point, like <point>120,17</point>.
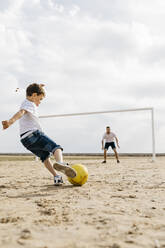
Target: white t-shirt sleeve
<point>28,106</point>
<point>29,121</point>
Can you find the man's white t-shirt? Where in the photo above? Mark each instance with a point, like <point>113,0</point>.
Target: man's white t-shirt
<point>29,121</point>
<point>109,137</point>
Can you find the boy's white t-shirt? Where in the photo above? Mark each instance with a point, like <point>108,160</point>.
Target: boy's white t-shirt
<point>109,137</point>
<point>30,120</point>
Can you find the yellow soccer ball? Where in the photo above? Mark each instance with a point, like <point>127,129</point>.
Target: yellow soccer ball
<point>81,177</point>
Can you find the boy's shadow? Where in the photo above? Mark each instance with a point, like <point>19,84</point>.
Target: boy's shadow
<point>46,188</point>
<point>52,187</point>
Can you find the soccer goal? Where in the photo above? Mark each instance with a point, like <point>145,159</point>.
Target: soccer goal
<point>150,120</point>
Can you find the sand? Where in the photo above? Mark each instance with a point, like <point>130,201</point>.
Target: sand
<point>121,205</point>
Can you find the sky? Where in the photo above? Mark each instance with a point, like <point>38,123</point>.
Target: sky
<point>91,55</point>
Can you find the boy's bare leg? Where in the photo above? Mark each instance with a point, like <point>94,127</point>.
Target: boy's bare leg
<point>60,166</point>
<point>116,154</point>
<point>49,166</point>
<point>58,155</point>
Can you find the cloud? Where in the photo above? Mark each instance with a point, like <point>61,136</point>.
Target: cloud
<point>92,56</point>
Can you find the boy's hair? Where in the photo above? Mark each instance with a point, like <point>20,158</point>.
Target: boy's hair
<point>35,88</point>
<point>107,127</point>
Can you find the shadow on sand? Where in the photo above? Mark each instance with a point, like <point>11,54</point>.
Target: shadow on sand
<point>45,188</point>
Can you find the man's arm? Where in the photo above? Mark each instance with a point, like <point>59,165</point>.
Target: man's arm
<point>102,144</point>
<point>117,142</point>
<point>15,117</point>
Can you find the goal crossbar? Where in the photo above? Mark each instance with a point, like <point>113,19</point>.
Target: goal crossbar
<point>94,113</point>
<point>151,109</point>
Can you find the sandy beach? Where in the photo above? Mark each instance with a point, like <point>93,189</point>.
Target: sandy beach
<point>121,205</point>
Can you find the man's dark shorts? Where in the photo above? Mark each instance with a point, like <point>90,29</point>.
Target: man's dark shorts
<point>109,144</point>
<point>40,145</point>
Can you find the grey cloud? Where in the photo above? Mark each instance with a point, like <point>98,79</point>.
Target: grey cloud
<point>114,10</point>
<point>4,4</point>
<point>113,44</point>
<point>155,55</point>
<point>149,90</point>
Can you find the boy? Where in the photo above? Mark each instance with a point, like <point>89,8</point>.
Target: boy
<point>109,142</point>
<point>33,138</point>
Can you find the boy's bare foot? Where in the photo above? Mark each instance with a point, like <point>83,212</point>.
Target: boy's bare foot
<point>67,170</point>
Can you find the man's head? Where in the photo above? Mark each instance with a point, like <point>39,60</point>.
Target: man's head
<point>35,93</point>
<point>108,130</point>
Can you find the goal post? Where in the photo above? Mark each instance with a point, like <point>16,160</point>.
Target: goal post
<point>150,109</point>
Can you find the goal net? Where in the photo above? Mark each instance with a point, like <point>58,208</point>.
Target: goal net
<point>83,132</point>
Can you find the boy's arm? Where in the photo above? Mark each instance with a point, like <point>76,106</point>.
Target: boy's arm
<point>15,117</point>
<point>117,142</point>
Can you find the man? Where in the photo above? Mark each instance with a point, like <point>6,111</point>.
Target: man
<point>109,142</point>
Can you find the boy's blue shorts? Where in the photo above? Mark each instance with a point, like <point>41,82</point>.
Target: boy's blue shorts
<point>40,145</point>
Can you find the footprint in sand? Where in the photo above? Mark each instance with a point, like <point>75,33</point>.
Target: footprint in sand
<point>46,207</point>
<point>8,219</point>
<point>25,234</point>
